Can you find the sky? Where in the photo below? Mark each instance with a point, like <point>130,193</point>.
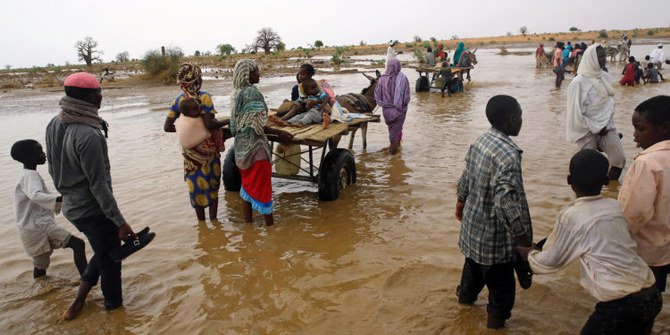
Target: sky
<point>36,33</point>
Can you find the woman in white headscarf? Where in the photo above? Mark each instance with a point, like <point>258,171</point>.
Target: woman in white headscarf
<point>590,110</point>
<point>249,124</point>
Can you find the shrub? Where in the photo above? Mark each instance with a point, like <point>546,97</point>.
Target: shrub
<point>418,55</point>
<point>156,64</point>
<point>603,34</point>
<point>650,32</point>
<point>551,39</point>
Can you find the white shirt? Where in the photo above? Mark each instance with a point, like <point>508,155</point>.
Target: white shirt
<point>390,53</point>
<point>34,208</point>
<point>657,55</point>
<point>588,111</point>
<point>594,230</point>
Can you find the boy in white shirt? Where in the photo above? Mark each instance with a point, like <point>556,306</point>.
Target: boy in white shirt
<point>35,207</point>
<point>594,230</point>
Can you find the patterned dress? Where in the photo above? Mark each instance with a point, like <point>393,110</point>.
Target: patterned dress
<point>202,163</point>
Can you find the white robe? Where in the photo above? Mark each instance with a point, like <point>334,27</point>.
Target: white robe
<point>590,106</point>
<point>657,56</point>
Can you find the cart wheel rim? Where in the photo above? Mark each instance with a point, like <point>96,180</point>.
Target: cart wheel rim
<point>343,178</point>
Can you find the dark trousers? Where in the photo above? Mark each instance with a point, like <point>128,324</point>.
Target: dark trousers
<point>498,278</point>
<point>103,236</point>
<point>661,275</point>
<point>631,315</point>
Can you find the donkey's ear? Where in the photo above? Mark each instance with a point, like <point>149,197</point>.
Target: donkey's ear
<point>475,51</point>
<point>379,74</point>
<point>370,78</point>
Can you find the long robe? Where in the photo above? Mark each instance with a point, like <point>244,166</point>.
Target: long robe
<point>392,94</point>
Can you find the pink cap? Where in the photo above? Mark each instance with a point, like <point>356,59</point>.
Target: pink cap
<point>82,80</point>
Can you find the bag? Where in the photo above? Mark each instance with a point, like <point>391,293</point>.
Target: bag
<point>191,131</point>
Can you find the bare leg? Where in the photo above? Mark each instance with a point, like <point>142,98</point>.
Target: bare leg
<point>269,219</point>
<point>213,209</point>
<point>37,273</point>
<point>246,209</point>
<point>200,213</point>
<point>614,173</point>
<point>393,149</point>
<point>79,253</point>
<point>78,303</point>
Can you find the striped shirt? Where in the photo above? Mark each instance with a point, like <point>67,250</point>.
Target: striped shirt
<point>495,208</point>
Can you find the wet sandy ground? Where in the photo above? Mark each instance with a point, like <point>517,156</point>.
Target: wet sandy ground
<point>382,259</point>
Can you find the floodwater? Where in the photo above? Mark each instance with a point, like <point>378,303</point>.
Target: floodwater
<point>382,259</point>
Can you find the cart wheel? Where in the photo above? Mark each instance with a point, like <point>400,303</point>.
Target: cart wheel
<point>232,180</point>
<point>337,171</point>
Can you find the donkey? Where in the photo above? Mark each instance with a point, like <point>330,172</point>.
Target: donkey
<point>361,103</point>
<point>468,59</point>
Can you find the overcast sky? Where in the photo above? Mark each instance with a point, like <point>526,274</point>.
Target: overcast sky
<point>41,32</point>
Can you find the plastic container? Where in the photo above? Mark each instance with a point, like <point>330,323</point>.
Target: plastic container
<point>287,159</point>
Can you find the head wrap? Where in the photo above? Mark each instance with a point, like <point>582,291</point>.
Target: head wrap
<point>589,67</point>
<point>82,80</point>
<point>189,77</point>
<point>240,80</point>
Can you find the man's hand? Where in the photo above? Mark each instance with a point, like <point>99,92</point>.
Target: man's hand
<point>459,210</point>
<point>125,230</point>
<point>285,137</point>
<point>524,251</point>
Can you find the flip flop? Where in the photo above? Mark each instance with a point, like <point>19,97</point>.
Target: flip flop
<point>144,237</point>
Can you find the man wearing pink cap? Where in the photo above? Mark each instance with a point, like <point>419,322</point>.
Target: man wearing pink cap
<point>79,166</point>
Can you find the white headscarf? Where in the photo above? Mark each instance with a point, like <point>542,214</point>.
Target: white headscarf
<point>590,68</point>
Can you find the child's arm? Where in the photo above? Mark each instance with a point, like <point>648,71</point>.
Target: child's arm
<point>212,123</point>
<point>638,195</point>
<point>508,202</point>
<point>32,188</point>
<point>562,248</point>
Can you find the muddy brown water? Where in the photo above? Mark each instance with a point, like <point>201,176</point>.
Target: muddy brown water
<point>382,259</point>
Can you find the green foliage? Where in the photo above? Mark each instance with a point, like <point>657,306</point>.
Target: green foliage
<point>425,44</point>
<point>603,34</point>
<point>573,29</point>
<point>337,57</point>
<point>196,53</point>
<point>650,32</point>
<point>417,38</point>
<point>156,64</point>
<point>318,44</point>
<point>362,43</point>
<point>281,46</point>
<point>419,55</point>
<point>225,49</point>
<point>551,39</point>
<point>409,45</point>
<point>523,30</point>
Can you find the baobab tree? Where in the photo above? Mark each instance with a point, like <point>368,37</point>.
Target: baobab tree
<point>87,50</point>
<point>267,40</point>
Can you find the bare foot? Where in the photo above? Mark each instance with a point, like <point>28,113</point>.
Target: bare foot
<point>74,309</point>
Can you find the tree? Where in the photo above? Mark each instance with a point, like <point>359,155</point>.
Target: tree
<point>87,50</point>
<point>318,44</point>
<point>7,67</point>
<point>573,29</point>
<point>267,40</point>
<point>196,53</point>
<point>417,39</point>
<point>523,30</point>
<point>280,46</point>
<point>225,49</point>
<point>123,57</point>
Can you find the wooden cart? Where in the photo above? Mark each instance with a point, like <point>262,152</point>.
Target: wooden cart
<point>335,168</point>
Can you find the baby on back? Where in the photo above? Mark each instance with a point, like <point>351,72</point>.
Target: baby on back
<point>190,126</point>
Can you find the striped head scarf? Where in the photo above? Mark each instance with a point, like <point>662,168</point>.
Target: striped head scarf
<point>240,80</point>
<point>189,78</point>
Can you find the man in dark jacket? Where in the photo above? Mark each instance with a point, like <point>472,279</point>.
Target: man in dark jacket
<point>79,166</point>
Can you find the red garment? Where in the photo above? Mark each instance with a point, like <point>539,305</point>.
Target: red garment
<point>257,181</point>
<point>628,76</point>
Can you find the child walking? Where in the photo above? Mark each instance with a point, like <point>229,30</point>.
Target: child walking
<point>646,187</point>
<point>35,206</point>
<point>594,230</point>
<point>493,211</point>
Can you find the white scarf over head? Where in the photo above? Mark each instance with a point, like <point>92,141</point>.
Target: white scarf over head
<point>589,111</point>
